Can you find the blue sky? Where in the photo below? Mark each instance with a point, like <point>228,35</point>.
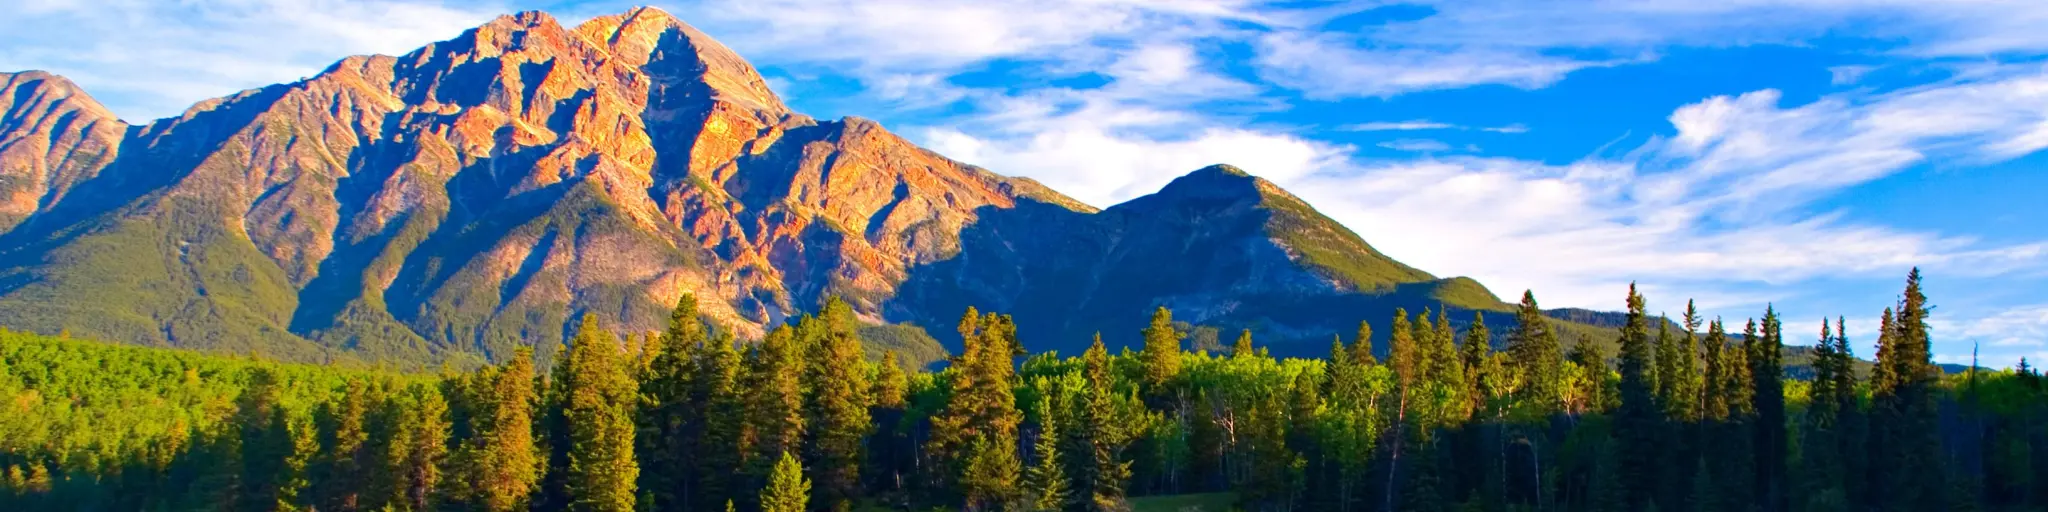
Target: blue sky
<point>1802,153</point>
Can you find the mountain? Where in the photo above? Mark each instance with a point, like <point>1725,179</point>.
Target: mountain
<point>480,193</point>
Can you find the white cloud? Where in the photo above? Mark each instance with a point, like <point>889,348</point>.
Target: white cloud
<point>1846,75</point>
<point>1416,145</point>
<point>148,59</point>
<point>1719,207</point>
<point>1425,124</point>
<point>2015,328</point>
<point>1107,152</point>
<point>1377,126</point>
<point>1330,66</point>
<point>936,35</point>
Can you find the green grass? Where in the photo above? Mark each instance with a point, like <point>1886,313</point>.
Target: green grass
<point>1211,502</point>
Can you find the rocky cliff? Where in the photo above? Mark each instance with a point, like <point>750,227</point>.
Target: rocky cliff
<point>477,194</point>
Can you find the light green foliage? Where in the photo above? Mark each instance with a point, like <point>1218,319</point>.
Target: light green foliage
<point>787,490</point>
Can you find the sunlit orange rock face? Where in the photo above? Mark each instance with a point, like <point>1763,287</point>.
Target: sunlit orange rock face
<point>479,193</point>
<point>52,136</point>
<point>479,189</point>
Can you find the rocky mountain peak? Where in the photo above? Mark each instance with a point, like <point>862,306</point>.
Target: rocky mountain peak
<point>482,192</point>
<point>675,52</point>
<point>52,136</point>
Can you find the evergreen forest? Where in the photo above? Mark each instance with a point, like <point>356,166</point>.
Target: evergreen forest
<point>1684,414</point>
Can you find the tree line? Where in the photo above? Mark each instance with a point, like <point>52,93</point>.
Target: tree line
<point>1698,418</point>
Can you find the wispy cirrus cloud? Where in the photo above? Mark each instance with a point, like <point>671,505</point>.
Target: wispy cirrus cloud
<point>1425,124</point>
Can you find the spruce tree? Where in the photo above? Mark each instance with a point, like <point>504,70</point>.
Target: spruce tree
<point>1666,377</point>
<point>989,481</point>
<point>267,479</point>
<point>1904,409</point>
<point>1537,355</point>
<point>1447,370</point>
<point>976,432</point>
<point>1102,435</point>
<point>667,413</point>
<point>1476,349</point>
<point>419,455</point>
<point>890,382</point>
<point>343,473</point>
<point>1406,356</point>
<point>1636,423</point>
<point>1768,374</point>
<point>1361,345</point>
<point>598,413</point>
<point>1161,355</point>
<point>787,489</point>
<point>1046,481</point>
<point>1820,446</point>
<point>773,392</point>
<point>1242,349</point>
<point>719,438</point>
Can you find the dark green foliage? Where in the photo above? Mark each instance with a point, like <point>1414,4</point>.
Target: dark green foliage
<point>838,406</point>
<point>1440,427</point>
<point>1537,356</point>
<point>1638,418</point>
<point>598,409</point>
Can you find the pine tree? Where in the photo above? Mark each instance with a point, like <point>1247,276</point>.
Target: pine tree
<point>1666,376</point>
<point>1046,481</point>
<point>500,461</point>
<point>269,478</point>
<point>1636,422</point>
<point>598,413</point>
<point>1361,346</point>
<point>1161,355</point>
<point>667,413</point>
<point>890,449</point>
<point>1447,370</point>
<point>1406,356</point>
<point>890,382</point>
<point>1852,423</point>
<point>980,419</point>
<point>1537,355</point>
<point>775,402</point>
<point>721,438</point>
<point>1904,409</point>
<point>787,489</point>
<point>840,409</point>
<point>1821,445</point>
<point>1474,352</point>
<point>342,475</point>
<point>989,481</point>
<point>1104,431</point>
<point>418,456</point>
<point>1242,349</point>
<point>1767,371</point>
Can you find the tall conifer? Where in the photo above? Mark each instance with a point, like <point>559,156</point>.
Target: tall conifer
<point>598,412</point>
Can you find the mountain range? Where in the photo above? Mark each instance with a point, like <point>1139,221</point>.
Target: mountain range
<point>480,193</point>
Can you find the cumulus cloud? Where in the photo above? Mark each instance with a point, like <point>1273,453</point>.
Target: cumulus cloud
<point>1723,200</point>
